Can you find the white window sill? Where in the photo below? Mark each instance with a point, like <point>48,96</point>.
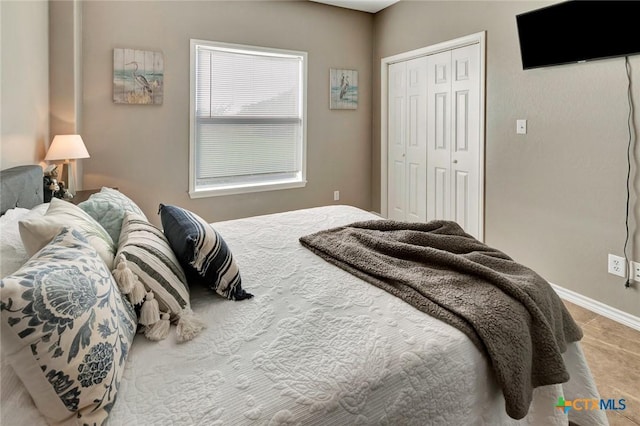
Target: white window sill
<point>245,189</point>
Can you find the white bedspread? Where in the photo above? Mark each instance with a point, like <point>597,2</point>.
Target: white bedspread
<point>318,346</point>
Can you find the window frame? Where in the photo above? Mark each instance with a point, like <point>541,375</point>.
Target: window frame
<point>239,188</point>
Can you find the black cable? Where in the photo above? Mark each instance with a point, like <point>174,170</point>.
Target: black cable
<point>627,284</point>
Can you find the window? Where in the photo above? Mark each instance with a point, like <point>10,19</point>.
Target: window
<point>248,124</point>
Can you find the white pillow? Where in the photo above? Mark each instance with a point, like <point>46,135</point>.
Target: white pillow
<point>38,231</point>
<point>12,252</point>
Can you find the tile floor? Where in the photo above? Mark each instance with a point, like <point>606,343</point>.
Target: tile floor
<point>613,353</point>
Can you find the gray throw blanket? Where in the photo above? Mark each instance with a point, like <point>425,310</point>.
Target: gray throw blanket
<point>507,310</point>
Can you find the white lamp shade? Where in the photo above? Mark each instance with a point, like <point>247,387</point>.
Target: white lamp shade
<point>67,147</point>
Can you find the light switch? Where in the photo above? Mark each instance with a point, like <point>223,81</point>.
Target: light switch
<point>521,127</point>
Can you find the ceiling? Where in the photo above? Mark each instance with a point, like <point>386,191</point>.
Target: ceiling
<point>371,6</point>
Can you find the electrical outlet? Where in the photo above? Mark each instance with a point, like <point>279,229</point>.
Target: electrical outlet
<point>521,127</point>
<point>635,272</point>
<point>336,195</point>
<point>617,265</point>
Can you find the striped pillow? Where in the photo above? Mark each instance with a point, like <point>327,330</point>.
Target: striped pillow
<point>145,251</point>
<point>201,249</point>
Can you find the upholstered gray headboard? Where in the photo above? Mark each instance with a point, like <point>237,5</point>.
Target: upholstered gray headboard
<point>20,186</point>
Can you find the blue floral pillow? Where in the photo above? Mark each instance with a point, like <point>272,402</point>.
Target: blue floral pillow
<point>66,330</point>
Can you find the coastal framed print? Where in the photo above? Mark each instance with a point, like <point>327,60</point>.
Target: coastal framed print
<point>138,77</point>
<point>343,89</point>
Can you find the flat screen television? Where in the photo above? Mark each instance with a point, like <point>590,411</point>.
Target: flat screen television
<point>577,31</point>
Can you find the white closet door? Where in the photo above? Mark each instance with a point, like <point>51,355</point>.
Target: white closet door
<point>453,137</point>
<point>407,140</point>
<point>416,180</point>
<point>396,141</point>
<point>439,136</point>
<point>465,149</point>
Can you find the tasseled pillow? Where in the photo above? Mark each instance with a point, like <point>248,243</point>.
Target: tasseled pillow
<point>148,272</point>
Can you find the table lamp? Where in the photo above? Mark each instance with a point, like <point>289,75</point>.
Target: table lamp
<point>68,148</point>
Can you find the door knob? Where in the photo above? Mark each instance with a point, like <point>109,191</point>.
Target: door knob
<point>455,161</point>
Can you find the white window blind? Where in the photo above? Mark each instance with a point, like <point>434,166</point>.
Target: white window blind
<point>247,117</point>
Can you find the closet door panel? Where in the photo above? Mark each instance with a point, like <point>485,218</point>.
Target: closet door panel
<point>416,150</point>
<point>439,136</point>
<point>439,198</point>
<point>397,170</point>
<point>465,152</point>
<point>461,198</point>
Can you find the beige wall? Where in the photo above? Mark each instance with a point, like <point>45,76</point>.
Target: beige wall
<point>143,150</point>
<point>555,198</point>
<point>24,87</point>
<point>63,73</point>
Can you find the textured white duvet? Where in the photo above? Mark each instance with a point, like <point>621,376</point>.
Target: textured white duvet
<point>315,346</point>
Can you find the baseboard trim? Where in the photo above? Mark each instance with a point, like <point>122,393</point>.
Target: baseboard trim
<point>598,307</point>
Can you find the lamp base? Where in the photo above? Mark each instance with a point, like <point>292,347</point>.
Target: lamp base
<point>71,177</point>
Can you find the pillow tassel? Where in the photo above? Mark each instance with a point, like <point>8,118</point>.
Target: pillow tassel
<point>125,278</point>
<point>189,325</point>
<point>138,292</point>
<point>238,293</point>
<point>150,312</point>
<point>159,330</point>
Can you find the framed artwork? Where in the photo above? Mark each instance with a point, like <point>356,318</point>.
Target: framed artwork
<point>343,89</point>
<point>138,77</point>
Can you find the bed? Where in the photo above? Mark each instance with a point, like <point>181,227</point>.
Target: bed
<point>314,346</point>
